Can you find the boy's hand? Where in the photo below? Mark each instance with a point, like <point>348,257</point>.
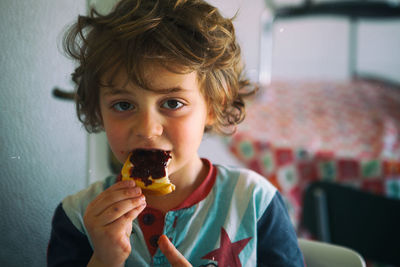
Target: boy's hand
<point>174,257</point>
<point>108,220</point>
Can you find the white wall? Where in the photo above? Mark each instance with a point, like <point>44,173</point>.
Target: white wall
<point>311,48</point>
<point>42,146</point>
<point>319,48</point>
<point>379,43</point>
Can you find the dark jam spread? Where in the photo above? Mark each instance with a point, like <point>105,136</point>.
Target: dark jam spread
<point>148,163</point>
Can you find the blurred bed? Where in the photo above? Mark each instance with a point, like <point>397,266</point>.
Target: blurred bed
<point>341,132</point>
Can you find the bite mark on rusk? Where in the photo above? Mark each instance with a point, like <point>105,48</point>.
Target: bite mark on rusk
<point>149,170</point>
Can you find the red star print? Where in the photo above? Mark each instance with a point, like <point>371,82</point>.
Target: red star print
<point>228,253</point>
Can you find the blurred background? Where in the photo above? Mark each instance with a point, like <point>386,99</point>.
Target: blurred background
<point>328,108</point>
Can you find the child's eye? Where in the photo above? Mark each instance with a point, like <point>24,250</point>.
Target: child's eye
<point>123,106</point>
<point>172,104</point>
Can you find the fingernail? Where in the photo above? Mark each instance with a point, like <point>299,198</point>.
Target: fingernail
<point>129,183</point>
<point>138,190</point>
<point>158,241</point>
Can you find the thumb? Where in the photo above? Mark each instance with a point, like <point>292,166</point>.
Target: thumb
<point>175,258</point>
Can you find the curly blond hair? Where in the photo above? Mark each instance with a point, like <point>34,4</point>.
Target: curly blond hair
<point>188,33</point>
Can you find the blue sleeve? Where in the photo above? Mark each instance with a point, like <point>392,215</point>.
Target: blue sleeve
<point>276,238</point>
<point>67,245</point>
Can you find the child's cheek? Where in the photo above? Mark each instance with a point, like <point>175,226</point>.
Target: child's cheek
<point>187,134</point>
<point>117,145</point>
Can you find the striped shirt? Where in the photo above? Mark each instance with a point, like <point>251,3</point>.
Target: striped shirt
<point>235,218</point>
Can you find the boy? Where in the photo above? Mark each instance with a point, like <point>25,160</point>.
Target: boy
<point>157,75</point>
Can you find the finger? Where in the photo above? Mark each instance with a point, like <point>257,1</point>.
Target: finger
<point>121,185</point>
<point>130,216</point>
<point>134,213</point>
<point>117,186</point>
<point>120,209</point>
<point>114,194</point>
<point>175,258</point>
<point>112,197</point>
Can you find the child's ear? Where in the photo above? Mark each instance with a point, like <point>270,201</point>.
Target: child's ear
<point>210,120</point>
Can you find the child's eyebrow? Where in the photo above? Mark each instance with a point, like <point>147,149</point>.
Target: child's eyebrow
<point>115,91</point>
<point>169,90</point>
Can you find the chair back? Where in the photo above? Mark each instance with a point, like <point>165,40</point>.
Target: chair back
<point>319,254</point>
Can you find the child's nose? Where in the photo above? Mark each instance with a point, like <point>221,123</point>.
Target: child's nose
<point>148,125</point>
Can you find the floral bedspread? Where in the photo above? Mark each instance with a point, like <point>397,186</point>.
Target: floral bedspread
<point>298,132</point>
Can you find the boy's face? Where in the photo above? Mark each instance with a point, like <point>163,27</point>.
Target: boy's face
<point>170,116</point>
